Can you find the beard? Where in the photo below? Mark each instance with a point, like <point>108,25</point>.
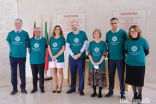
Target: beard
<point>74,29</point>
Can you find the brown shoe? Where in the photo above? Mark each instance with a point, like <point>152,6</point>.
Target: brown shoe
<point>13,92</point>
<point>24,91</point>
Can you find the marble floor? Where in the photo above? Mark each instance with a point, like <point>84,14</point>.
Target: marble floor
<point>149,91</point>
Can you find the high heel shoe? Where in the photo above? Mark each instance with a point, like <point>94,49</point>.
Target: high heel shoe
<point>55,91</point>
<point>59,91</point>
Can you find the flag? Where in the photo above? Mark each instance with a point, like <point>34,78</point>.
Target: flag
<point>34,27</point>
<point>47,53</point>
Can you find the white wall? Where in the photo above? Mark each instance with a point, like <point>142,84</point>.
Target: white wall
<point>8,12</point>
<point>98,15</point>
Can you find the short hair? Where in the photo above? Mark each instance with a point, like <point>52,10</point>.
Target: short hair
<point>114,18</point>
<point>18,20</point>
<point>137,29</point>
<point>38,28</point>
<point>97,30</point>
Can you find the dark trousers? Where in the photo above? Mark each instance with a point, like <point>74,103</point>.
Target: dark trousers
<point>120,65</point>
<point>35,69</point>
<point>13,64</point>
<point>74,64</point>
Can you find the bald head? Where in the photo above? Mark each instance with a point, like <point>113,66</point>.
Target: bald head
<point>74,25</point>
<point>37,32</point>
<point>74,22</point>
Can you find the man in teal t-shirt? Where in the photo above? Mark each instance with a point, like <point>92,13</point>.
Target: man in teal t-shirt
<point>115,40</point>
<point>76,44</point>
<point>17,42</point>
<point>37,49</point>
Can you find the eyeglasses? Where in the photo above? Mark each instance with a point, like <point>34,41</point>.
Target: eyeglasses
<point>132,31</point>
<point>114,23</point>
<point>37,31</point>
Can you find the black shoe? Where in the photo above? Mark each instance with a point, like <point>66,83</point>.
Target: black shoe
<point>34,90</point>
<point>94,94</point>
<point>55,91</point>
<point>13,92</point>
<point>135,97</point>
<point>81,93</point>
<point>42,91</point>
<point>123,96</point>
<point>99,95</point>
<point>70,91</point>
<point>24,91</point>
<point>58,91</point>
<point>109,94</point>
<point>139,98</point>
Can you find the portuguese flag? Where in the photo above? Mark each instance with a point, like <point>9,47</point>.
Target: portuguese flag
<point>34,27</point>
<point>47,53</point>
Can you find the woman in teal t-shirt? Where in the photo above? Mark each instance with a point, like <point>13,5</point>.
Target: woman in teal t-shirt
<point>136,48</point>
<point>97,52</point>
<point>56,48</point>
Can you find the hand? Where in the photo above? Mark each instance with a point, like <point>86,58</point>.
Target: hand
<point>54,58</point>
<point>94,63</point>
<point>98,63</point>
<point>78,55</point>
<point>75,57</point>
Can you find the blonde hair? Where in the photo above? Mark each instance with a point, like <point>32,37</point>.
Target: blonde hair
<point>137,29</point>
<point>61,32</point>
<point>96,30</point>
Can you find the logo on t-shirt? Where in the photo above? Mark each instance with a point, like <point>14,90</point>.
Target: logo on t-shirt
<point>134,48</point>
<point>76,40</point>
<point>55,44</point>
<point>36,45</point>
<point>114,38</point>
<point>96,49</point>
<point>17,38</point>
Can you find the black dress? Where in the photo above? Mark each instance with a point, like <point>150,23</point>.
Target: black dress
<point>135,74</point>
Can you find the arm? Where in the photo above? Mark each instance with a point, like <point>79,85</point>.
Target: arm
<point>102,58</point>
<point>27,44</point>
<point>60,52</point>
<point>45,50</point>
<point>70,51</point>
<point>29,50</point>
<point>90,58</point>
<point>84,47</point>
<point>8,44</point>
<point>49,50</point>
<point>146,52</point>
<point>125,51</point>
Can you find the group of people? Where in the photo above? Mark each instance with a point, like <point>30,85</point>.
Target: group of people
<point>118,46</point>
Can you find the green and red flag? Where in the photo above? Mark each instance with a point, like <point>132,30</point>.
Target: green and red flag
<point>34,26</point>
<point>47,53</point>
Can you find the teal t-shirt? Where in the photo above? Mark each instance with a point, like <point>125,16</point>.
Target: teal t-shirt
<point>56,46</point>
<point>37,53</point>
<point>97,50</point>
<point>135,52</point>
<point>18,43</point>
<point>116,43</point>
<point>76,42</point>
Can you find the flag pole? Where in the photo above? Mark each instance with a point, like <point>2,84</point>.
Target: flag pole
<point>47,53</point>
<point>47,50</point>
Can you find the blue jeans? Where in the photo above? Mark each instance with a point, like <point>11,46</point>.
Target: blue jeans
<point>13,63</point>
<point>74,64</point>
<point>120,65</point>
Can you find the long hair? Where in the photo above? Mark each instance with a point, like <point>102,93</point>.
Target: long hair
<point>61,32</point>
<point>137,29</point>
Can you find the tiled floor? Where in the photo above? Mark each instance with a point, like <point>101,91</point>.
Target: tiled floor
<point>149,91</point>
